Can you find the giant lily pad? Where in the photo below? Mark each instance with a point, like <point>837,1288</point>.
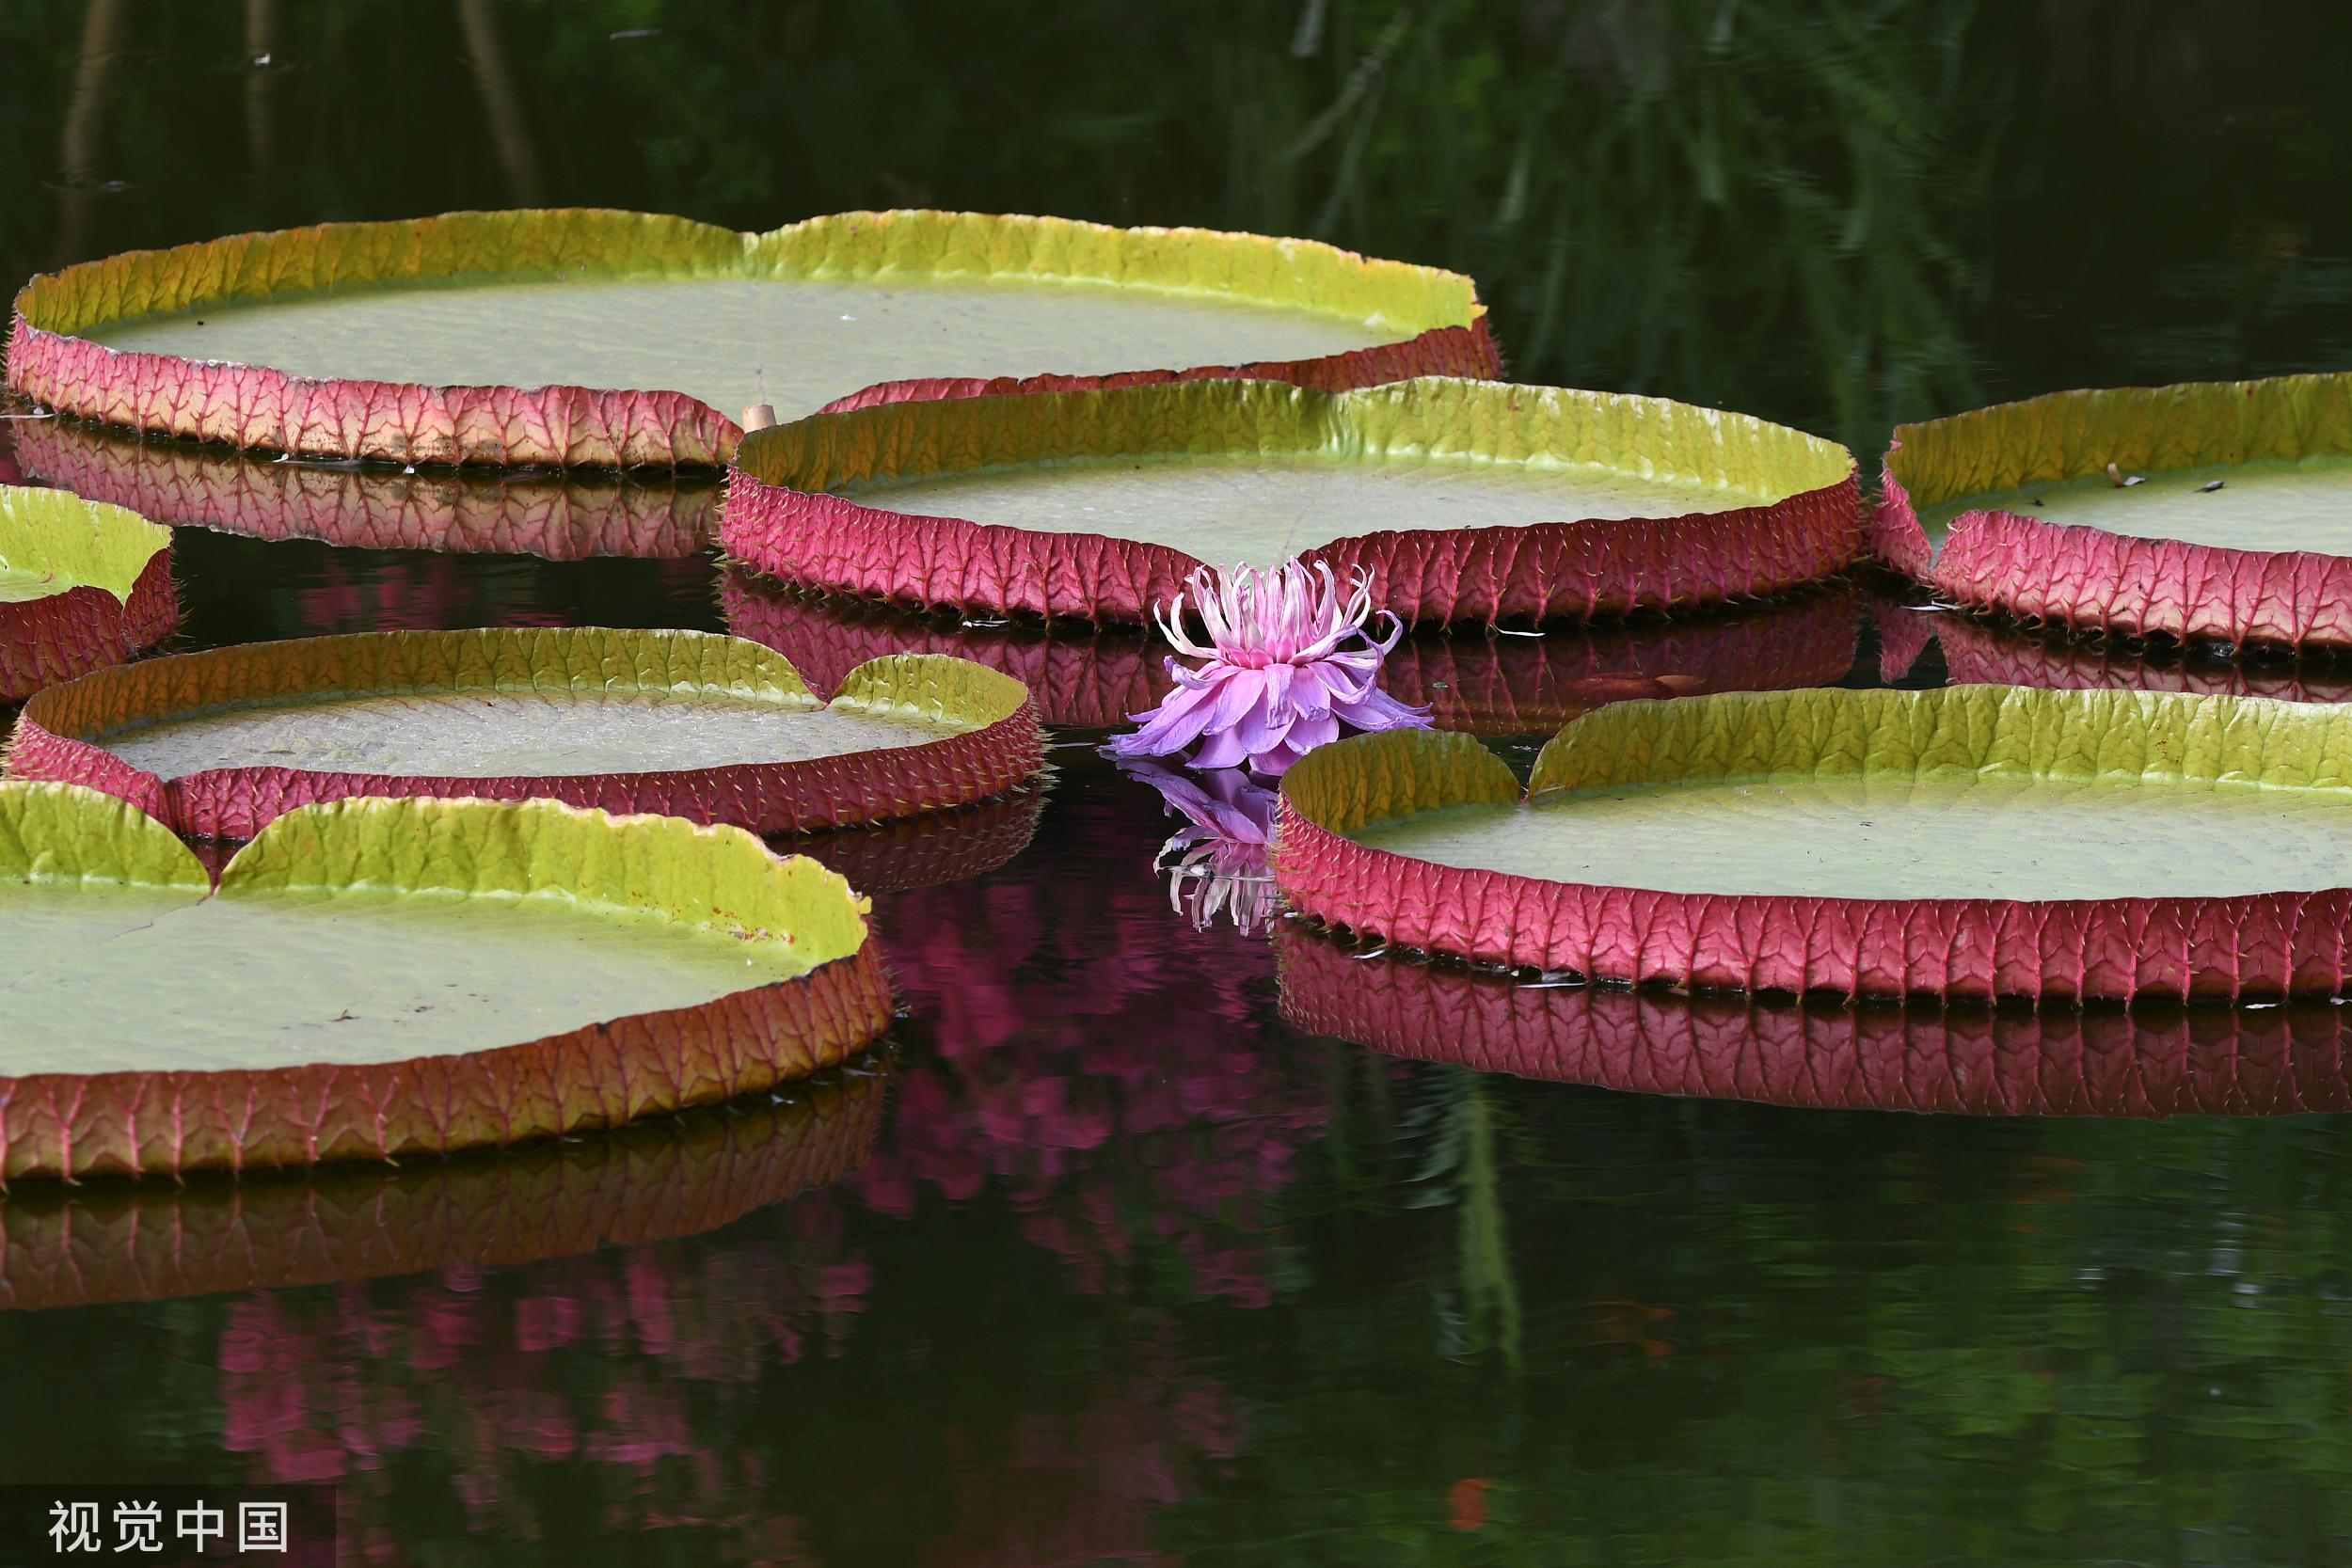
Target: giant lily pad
<point>2149,1061</point>
<point>385,978</point>
<point>619,338</point>
<point>711,728</point>
<point>1978,841</point>
<point>561,517</point>
<point>2227,515</point>
<point>82,585</point>
<point>1483,683</point>
<point>77,1246</point>
<point>1464,500</point>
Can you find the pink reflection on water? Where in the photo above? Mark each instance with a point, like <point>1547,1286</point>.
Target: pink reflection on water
<point>1096,1061</point>
<point>1085,1063</point>
<point>346,1385</point>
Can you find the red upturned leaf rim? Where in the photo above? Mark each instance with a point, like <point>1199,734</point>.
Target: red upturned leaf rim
<point>113,594</point>
<point>255,406</point>
<point>2239,948</point>
<point>61,734</point>
<point>1490,685</point>
<point>790,913</point>
<point>566,517</point>
<point>2086,579</point>
<point>656,1179</point>
<point>780,520</point>
<point>2138,1062</point>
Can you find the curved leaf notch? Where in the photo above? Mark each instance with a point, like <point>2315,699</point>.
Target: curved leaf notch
<point>441,974</point>
<point>705,726</point>
<point>53,542</point>
<point>1972,841</point>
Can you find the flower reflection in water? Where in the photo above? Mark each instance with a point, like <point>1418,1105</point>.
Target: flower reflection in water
<point>1216,863</point>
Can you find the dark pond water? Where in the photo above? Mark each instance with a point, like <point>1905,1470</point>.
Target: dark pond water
<point>1116,1256</point>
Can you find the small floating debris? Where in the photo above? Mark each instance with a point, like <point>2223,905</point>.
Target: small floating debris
<point>2121,480</point>
<point>2209,488</point>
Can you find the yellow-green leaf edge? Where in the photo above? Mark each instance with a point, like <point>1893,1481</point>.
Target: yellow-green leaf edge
<point>457,248</point>
<point>2075,435</point>
<point>791,912</point>
<point>76,543</point>
<point>1427,419</point>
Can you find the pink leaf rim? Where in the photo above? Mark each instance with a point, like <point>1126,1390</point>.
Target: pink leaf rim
<point>2086,579</point>
<point>565,517</point>
<point>2147,1062</point>
<point>779,519</point>
<point>77,1125</point>
<point>47,641</point>
<point>1980,650</point>
<point>569,427</point>
<point>63,1246</point>
<point>58,736</point>
<point>2254,947</point>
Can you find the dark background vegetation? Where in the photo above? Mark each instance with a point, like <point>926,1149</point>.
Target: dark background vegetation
<point>1839,214</point>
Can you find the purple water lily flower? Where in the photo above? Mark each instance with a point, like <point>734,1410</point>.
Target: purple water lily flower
<point>1217,863</point>
<point>1291,665</point>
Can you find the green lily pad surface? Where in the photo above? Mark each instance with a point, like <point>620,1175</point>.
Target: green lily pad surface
<point>1976,841</point>
<point>709,727</point>
<point>1262,510</point>
<point>2269,504</point>
<point>590,337</point>
<point>349,978</point>
<point>379,975</point>
<point>53,542</point>
<point>1982,792</point>
<point>731,342</point>
<point>297,960</point>
<point>502,733</point>
<point>1458,499</point>
<point>1862,835</point>
<point>2210,512</point>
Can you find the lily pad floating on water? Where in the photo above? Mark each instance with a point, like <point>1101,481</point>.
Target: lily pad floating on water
<point>82,585</point>
<point>1462,500</point>
<point>557,517</point>
<point>379,978</point>
<point>2012,508</point>
<point>656,1179</point>
<point>2159,1061</point>
<point>1978,841</point>
<point>621,339</point>
<point>709,728</point>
